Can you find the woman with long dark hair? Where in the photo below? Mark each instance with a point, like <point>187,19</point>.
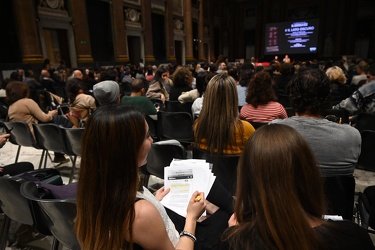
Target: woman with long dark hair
<point>111,214</point>
<point>157,90</point>
<point>279,200</point>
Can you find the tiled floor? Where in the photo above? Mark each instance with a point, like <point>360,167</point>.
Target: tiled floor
<point>8,154</point>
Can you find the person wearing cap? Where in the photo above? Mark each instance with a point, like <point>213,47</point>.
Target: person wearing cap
<point>80,104</point>
<point>107,92</point>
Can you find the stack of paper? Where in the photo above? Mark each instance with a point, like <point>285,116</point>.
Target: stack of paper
<point>184,177</point>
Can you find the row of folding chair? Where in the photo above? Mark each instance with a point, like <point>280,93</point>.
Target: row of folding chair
<point>23,202</point>
<point>173,106</point>
<point>48,137</point>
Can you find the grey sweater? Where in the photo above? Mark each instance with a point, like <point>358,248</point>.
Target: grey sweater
<point>336,146</point>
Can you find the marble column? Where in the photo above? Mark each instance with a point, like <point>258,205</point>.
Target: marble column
<point>147,31</point>
<point>28,31</point>
<point>201,54</point>
<point>212,31</point>
<point>188,29</point>
<point>119,33</point>
<point>81,31</point>
<point>169,30</point>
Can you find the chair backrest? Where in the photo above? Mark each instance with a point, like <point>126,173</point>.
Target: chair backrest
<point>153,127</point>
<point>365,121</point>
<point>224,167</point>
<point>175,125</point>
<point>161,155</point>
<point>72,138</point>
<point>366,159</point>
<point>19,208</point>
<point>20,134</point>
<point>290,111</point>
<point>340,114</point>
<point>368,203</point>
<point>13,204</point>
<point>60,213</point>
<point>50,137</point>
<point>364,208</point>
<point>176,106</point>
<point>257,125</point>
<point>159,103</point>
<point>339,192</point>
<point>283,99</point>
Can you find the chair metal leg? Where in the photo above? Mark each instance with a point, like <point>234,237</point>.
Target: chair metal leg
<point>45,159</point>
<point>42,158</point>
<point>18,153</point>
<point>73,168</point>
<point>48,155</point>
<point>4,232</point>
<point>55,244</point>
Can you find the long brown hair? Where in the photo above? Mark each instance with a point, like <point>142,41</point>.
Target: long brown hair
<point>219,119</point>
<point>108,179</point>
<point>279,188</point>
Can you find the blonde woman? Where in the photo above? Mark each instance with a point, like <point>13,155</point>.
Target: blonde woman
<point>219,129</point>
<point>340,90</point>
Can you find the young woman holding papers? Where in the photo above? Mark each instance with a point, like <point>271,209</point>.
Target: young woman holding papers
<point>111,213</point>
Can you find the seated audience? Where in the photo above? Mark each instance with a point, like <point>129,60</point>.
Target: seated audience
<point>137,98</point>
<point>107,92</point>
<point>114,146</point>
<point>80,104</point>
<point>336,146</point>
<point>245,78</point>
<point>15,168</point>
<point>22,108</point>
<point>202,81</point>
<point>157,90</point>
<point>280,201</point>
<point>361,71</point>
<point>261,99</point>
<point>219,129</point>
<point>182,80</point>
<point>282,80</point>
<point>363,99</point>
<point>340,90</point>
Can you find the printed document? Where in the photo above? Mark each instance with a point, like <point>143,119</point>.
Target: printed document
<point>184,177</point>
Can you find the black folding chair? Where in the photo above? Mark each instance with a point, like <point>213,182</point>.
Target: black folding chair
<point>60,214</point>
<point>365,121</point>
<point>21,135</point>
<point>257,125</point>
<point>366,159</point>
<point>175,125</point>
<point>337,115</point>
<point>224,167</point>
<point>50,137</point>
<point>16,207</point>
<point>339,192</point>
<point>160,156</point>
<point>72,139</point>
<point>176,106</point>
